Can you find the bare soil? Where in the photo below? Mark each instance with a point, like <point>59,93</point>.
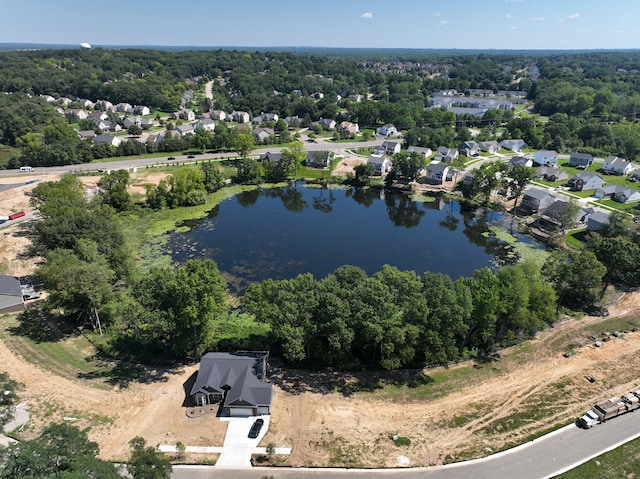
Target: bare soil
<point>340,418</point>
<point>346,166</point>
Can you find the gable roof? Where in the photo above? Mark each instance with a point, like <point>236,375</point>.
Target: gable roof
<point>10,293</point>
<point>243,374</point>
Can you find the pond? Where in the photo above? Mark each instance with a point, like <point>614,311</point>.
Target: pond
<point>281,232</point>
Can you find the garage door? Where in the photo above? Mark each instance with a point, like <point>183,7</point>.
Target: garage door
<point>241,411</point>
<point>263,410</point>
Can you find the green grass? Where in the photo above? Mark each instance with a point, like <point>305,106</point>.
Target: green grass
<point>623,462</point>
<point>576,239</point>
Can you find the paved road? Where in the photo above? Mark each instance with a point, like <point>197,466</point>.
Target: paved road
<point>133,162</point>
<point>542,458</point>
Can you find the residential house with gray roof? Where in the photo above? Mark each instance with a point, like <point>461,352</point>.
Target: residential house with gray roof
<point>585,181</point>
<point>580,160</point>
<point>536,199</point>
<point>237,380</point>
<point>614,165</point>
<point>10,295</point>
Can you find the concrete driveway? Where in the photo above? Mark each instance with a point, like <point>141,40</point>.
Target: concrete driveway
<point>238,447</point>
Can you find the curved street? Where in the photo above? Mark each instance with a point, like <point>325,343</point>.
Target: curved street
<point>542,458</point>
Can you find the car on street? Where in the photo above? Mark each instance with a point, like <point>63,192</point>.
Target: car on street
<point>191,156</point>
<point>171,158</point>
<point>255,429</point>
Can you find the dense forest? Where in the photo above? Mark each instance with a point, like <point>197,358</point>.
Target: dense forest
<point>588,100</point>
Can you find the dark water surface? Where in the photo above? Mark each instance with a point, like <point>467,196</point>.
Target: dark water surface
<point>282,232</point>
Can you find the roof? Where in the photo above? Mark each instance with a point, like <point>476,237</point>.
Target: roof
<point>537,193</point>
<point>377,159</point>
<point>242,374</point>
<point>10,292</point>
<point>585,176</point>
<point>437,168</point>
<point>581,156</point>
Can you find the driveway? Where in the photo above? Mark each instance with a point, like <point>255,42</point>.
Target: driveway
<point>238,447</point>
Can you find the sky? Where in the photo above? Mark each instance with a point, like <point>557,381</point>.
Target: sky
<point>441,24</point>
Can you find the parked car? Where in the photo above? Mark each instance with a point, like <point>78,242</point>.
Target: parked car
<point>191,156</point>
<point>255,429</point>
<point>568,354</point>
<point>171,158</point>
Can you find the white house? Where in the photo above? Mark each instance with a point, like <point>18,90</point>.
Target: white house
<point>546,158</point>
<point>425,152</point>
<point>387,130</point>
<point>391,147</point>
<point>132,120</point>
<point>381,164</point>
<point>513,145</point>
<point>206,124</point>
<point>219,115</point>
<point>438,173</point>
<point>445,154</point>
<point>107,140</point>
<point>615,165</point>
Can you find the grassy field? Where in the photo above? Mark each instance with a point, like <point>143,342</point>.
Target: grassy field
<point>622,462</point>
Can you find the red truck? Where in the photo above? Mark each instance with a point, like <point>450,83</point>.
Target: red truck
<point>17,215</point>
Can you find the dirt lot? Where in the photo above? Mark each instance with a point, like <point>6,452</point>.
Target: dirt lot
<point>342,419</point>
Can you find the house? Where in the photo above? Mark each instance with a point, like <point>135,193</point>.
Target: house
<point>556,216</point>
<point>293,121</point>
<point>124,108</point>
<point>326,123</point>
<point>467,180</point>
<point>218,115</point>
<point>489,146</point>
<point>615,165</point>
<point>206,124</point>
<point>10,295</point>
<point>425,152</point>
<point>263,134</point>
<point>86,104</point>
<point>536,199</point>
<point>381,164</point>
<point>355,98</point>
<point>317,95</point>
<point>265,117</point>
<point>387,130</point>
<point>146,123</point>
<point>580,160</point>
<point>237,380</point>
<point>549,173</point>
<point>391,147</point>
<point>141,110</point>
<point>270,157</point>
<point>349,127</point>
<point>76,114</point>
<point>239,116</point>
<point>546,158</point>
<point>619,193</point>
<point>319,159</point>
<point>111,140</point>
<point>86,134</point>
<point>520,161</point>
<point>438,173</point>
<point>132,120</point>
<point>469,148</point>
<point>585,181</point>
<point>184,114</point>
<point>98,115</point>
<point>597,220</point>
<point>104,105</point>
<point>445,154</point>
<point>513,145</point>
<point>184,130</point>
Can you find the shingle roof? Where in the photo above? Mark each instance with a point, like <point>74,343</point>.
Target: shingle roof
<point>242,373</point>
<point>10,292</point>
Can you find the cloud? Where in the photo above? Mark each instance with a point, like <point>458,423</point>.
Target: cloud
<point>367,15</point>
<point>573,17</point>
<point>443,23</point>
<point>508,15</point>
<point>514,28</point>
<point>437,14</point>
<point>538,19</point>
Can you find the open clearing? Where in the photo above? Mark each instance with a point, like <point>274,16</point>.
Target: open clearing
<point>467,410</point>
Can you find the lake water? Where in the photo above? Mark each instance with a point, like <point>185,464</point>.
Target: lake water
<point>282,232</point>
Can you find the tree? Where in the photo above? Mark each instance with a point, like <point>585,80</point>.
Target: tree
<point>146,463</point>
<point>247,171</point>
<point>213,177</point>
<point>574,276</point>
<point>294,154</point>
<point>620,255</point>
<point>62,451</point>
<point>243,143</point>
<point>517,180</point>
<point>202,139</point>
<point>113,190</point>
<point>8,398</point>
<point>364,171</point>
<point>409,165</point>
<point>134,130</point>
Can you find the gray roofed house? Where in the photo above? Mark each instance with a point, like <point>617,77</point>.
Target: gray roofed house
<point>513,145</point>
<point>549,173</point>
<point>426,152</point>
<point>271,157</point>
<point>597,220</point>
<point>10,294</point>
<point>469,148</point>
<point>489,146</point>
<point>536,199</point>
<point>615,165</point>
<point>619,193</point>
<point>237,380</point>
<point>438,173</point>
<point>391,147</point>
<point>319,159</point>
<point>445,154</point>
<point>585,181</point>
<point>546,157</point>
<point>520,161</point>
<point>580,160</point>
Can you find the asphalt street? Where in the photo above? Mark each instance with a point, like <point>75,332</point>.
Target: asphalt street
<point>542,458</point>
